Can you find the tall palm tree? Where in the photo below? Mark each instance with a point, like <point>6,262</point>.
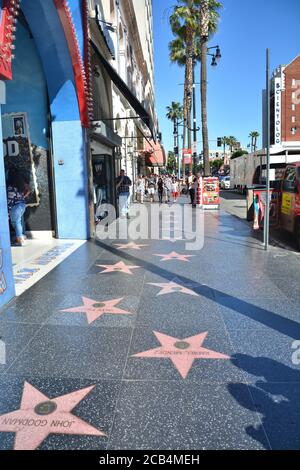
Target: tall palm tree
<point>185,24</point>
<point>209,17</point>
<point>174,114</point>
<point>177,49</point>
<point>254,135</point>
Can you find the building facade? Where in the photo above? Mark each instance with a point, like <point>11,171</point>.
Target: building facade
<point>45,113</point>
<point>127,25</point>
<point>77,104</point>
<point>285,107</point>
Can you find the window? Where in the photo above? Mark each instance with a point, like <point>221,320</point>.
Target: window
<point>294,130</point>
<point>293,96</point>
<point>294,83</point>
<point>293,107</point>
<point>293,118</point>
<point>289,183</point>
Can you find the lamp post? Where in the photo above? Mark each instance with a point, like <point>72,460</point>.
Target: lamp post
<point>267,206</point>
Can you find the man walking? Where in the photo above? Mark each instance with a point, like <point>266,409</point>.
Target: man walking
<point>123,184</point>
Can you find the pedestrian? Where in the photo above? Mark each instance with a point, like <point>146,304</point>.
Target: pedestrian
<point>160,189</point>
<point>191,187</point>
<point>17,192</point>
<point>140,189</point>
<point>168,188</point>
<point>175,189</point>
<point>123,184</point>
<point>151,187</point>
<point>195,189</point>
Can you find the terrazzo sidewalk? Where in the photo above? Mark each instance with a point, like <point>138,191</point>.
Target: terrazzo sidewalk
<point>144,345</point>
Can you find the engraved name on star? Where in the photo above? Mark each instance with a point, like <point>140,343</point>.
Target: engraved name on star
<point>120,267</point>
<point>95,309</point>
<point>40,416</point>
<point>129,246</point>
<point>172,288</point>
<point>175,256</point>
<point>182,352</point>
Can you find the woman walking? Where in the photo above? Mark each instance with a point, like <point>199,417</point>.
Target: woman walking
<point>140,189</point>
<point>17,191</point>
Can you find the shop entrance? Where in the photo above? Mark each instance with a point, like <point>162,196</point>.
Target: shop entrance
<point>26,135</point>
<point>103,177</point>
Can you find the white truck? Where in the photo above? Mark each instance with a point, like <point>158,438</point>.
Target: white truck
<point>250,169</point>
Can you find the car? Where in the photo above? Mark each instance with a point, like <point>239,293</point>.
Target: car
<point>225,183</point>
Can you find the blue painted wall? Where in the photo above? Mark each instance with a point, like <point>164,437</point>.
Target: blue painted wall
<point>67,133</point>
<point>27,91</point>
<point>5,255</point>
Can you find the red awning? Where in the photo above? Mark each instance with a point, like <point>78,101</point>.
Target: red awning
<point>155,154</point>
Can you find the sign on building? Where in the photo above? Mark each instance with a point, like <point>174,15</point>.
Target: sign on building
<point>277,84</point>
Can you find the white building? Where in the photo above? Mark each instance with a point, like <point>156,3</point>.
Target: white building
<point>127,26</point>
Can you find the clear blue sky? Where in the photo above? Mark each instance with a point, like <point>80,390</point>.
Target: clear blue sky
<point>246,29</point>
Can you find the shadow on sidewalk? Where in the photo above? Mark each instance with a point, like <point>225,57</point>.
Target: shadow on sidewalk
<point>270,319</point>
<point>275,397</point>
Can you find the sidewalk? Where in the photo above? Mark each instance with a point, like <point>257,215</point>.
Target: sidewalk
<point>191,353</point>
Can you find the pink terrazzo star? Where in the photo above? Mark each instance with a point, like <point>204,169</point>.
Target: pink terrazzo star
<point>172,288</point>
<point>95,309</point>
<point>129,246</point>
<point>182,352</point>
<point>40,416</point>
<point>173,255</point>
<point>120,267</point>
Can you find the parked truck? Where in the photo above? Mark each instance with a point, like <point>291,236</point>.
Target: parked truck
<point>250,169</point>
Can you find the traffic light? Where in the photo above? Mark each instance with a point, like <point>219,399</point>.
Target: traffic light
<point>220,141</point>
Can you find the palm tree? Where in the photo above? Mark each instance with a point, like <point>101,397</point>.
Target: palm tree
<point>174,114</point>
<point>232,142</point>
<point>177,48</point>
<point>185,24</point>
<point>209,16</point>
<point>254,135</point>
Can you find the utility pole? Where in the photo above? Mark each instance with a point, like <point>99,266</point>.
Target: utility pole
<point>194,120</point>
<point>267,206</point>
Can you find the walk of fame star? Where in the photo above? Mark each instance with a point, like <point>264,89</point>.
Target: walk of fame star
<point>40,416</point>
<point>120,267</point>
<point>175,256</point>
<point>182,352</point>
<point>129,246</point>
<point>172,288</point>
<point>95,309</point>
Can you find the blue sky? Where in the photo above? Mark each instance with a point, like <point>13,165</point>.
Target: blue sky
<point>246,29</point>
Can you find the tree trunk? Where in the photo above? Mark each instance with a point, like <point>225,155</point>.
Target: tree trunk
<point>184,119</point>
<point>204,106</point>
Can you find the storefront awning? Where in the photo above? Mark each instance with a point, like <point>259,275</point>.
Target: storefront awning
<point>155,154</point>
<point>126,92</point>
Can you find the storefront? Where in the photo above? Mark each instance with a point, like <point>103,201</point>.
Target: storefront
<point>45,110</point>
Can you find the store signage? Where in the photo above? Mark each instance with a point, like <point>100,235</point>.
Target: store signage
<point>18,151</point>
<point>187,156</point>
<point>277,84</point>
<point>8,14</point>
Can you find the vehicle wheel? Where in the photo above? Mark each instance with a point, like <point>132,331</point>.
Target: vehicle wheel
<point>297,235</point>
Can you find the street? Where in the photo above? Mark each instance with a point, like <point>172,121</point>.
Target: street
<point>135,347</point>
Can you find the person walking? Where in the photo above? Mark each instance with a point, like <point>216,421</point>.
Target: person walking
<point>175,189</point>
<point>160,189</point>
<point>123,184</point>
<point>140,189</point>
<point>168,188</point>
<point>151,187</point>
<point>17,191</point>
<point>191,187</point>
